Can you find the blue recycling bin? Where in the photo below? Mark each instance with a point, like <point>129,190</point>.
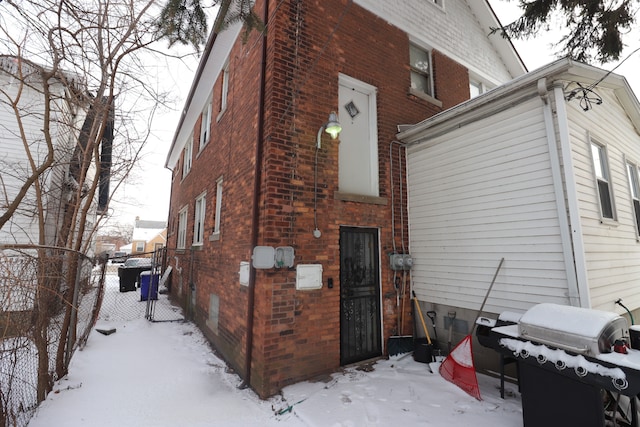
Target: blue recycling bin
<point>148,285</point>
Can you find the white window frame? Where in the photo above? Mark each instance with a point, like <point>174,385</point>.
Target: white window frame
<point>205,125</point>
<point>478,83</point>
<point>140,246</point>
<point>199,219</point>
<point>218,222</point>
<point>602,179</point>
<point>634,192</point>
<point>416,71</point>
<point>181,242</point>
<point>188,156</point>
<point>224,95</point>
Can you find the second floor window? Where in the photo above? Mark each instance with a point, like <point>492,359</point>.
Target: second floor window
<point>634,186</point>
<point>216,229</point>
<point>224,90</point>
<point>188,156</point>
<point>420,63</point>
<point>601,170</point>
<point>198,224</point>
<point>205,126</point>
<point>182,229</point>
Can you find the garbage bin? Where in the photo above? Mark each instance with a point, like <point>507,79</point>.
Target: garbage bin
<point>128,278</point>
<point>129,272</point>
<point>148,286</point>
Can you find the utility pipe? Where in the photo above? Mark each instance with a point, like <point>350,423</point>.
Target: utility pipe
<point>561,208</point>
<point>255,210</point>
<point>572,197</point>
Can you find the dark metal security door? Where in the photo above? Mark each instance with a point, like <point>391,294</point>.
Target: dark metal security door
<point>359,295</point>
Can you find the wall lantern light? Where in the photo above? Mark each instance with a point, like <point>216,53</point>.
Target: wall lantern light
<point>332,127</point>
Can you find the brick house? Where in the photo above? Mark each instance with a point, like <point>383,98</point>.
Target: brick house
<point>279,236</point>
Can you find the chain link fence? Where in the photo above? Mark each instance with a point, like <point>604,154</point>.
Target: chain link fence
<point>49,300</point>
<point>148,298</point>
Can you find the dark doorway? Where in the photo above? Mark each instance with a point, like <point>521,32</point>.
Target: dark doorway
<point>360,337</point>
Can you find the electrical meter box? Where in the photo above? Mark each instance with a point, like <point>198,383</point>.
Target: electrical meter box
<point>284,257</point>
<point>396,261</point>
<point>244,273</point>
<point>308,276</point>
<point>400,262</point>
<point>263,257</point>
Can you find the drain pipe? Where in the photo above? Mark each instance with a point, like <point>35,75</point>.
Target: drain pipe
<point>255,214</point>
<point>558,186</point>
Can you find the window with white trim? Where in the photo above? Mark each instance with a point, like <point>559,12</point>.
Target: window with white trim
<point>225,89</point>
<point>205,125</point>
<point>217,222</point>
<point>182,228</point>
<point>188,156</point>
<point>420,64</point>
<point>634,188</point>
<point>477,87</point>
<point>139,246</point>
<point>603,184</point>
<point>198,221</point>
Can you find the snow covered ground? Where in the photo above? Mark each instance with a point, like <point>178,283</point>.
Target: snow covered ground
<point>165,374</point>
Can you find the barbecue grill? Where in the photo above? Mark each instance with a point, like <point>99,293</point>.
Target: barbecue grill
<point>574,366</point>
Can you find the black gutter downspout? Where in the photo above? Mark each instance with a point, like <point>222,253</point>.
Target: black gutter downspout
<point>256,200</point>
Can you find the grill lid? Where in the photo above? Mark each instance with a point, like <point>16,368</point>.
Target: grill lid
<point>575,329</point>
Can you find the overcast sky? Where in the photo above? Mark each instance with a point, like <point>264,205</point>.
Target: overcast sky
<point>148,196</point>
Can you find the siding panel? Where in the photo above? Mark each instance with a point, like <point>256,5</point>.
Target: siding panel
<point>480,193</point>
<point>611,248</point>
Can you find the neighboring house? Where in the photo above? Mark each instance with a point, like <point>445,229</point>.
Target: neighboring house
<point>148,236</point>
<point>542,171</point>
<point>280,238</point>
<point>43,216</point>
<point>68,126</point>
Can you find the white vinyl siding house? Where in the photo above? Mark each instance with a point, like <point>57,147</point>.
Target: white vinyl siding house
<point>476,202</point>
<point>611,247</point>
<point>23,226</point>
<point>511,174</point>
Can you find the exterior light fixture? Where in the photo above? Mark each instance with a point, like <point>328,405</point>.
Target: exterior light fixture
<point>332,127</point>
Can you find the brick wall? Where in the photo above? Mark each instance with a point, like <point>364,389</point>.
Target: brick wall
<point>297,333</point>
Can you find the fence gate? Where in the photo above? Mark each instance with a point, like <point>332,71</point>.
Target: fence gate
<point>360,336</point>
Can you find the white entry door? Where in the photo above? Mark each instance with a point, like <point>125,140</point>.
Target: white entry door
<point>358,164</point>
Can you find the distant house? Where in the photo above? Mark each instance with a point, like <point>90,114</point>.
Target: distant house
<point>542,171</point>
<point>148,236</point>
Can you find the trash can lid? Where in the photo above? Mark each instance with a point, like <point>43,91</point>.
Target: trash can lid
<point>145,273</point>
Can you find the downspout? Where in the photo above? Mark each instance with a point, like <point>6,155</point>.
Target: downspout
<point>556,173</point>
<point>255,214</point>
<point>572,198</point>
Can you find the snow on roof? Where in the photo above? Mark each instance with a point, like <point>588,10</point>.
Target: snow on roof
<point>145,234</point>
